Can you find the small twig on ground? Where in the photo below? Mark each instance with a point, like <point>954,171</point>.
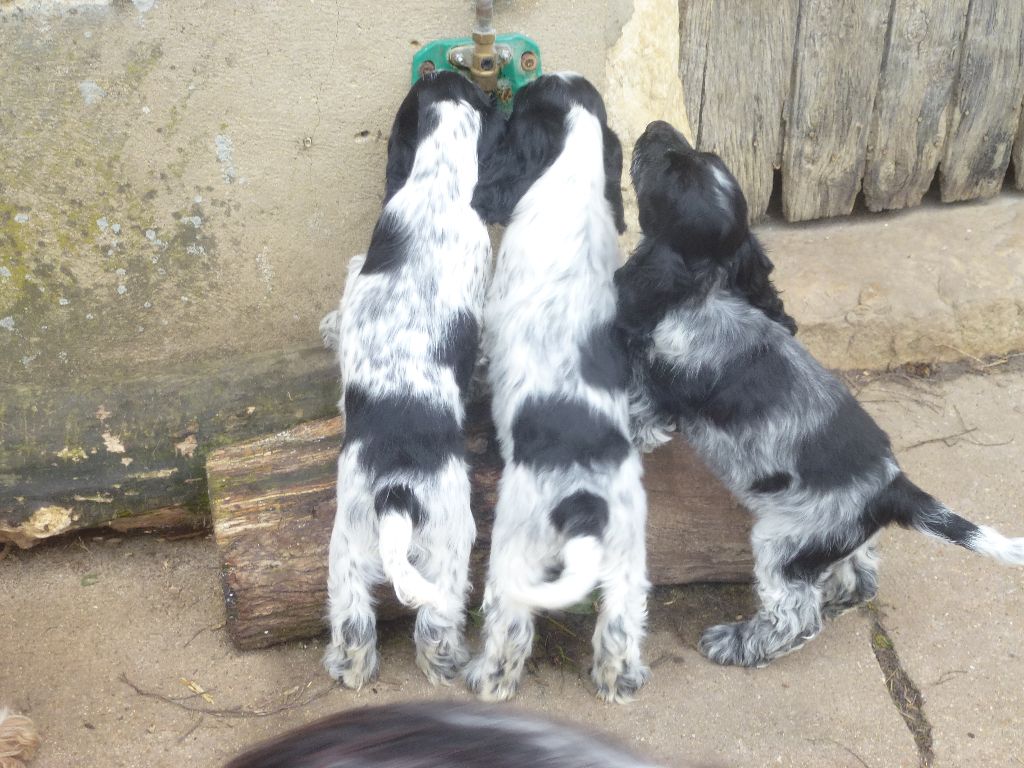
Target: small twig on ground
<point>842,746</point>
<point>241,712</point>
<point>945,677</point>
<point>201,630</point>
<point>944,439</point>
<point>562,627</point>
<point>8,547</point>
<point>191,730</point>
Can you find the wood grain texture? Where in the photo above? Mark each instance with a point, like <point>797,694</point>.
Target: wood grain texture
<point>273,508</point>
<point>694,41</point>
<point>911,115</point>
<point>746,80</point>
<point>987,102</point>
<point>838,58</point>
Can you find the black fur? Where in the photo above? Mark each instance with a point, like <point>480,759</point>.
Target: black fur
<point>399,498</point>
<point>458,349</point>
<point>780,481</point>
<point>582,514</point>
<point>603,361</point>
<point>397,435</point>
<point>850,445</point>
<point>558,433</point>
<point>389,247</point>
<point>535,137</point>
<point>695,235</point>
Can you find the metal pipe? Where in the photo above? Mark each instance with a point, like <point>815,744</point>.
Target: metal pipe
<point>484,69</point>
<point>484,17</point>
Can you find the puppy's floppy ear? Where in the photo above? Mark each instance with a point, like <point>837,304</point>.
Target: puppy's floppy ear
<point>529,145</point>
<point>402,145</point>
<point>613,176</point>
<point>750,273</point>
<point>650,283</point>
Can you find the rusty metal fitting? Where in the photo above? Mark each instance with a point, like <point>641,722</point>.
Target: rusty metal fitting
<point>528,61</point>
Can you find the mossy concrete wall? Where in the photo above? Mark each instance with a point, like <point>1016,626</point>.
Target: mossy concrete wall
<point>183,181</point>
<point>181,187</point>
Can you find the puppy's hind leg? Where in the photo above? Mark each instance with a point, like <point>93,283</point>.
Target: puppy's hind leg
<point>508,640</point>
<point>790,613</point>
<point>852,582</point>
<point>619,671</point>
<point>353,569</point>
<point>447,540</point>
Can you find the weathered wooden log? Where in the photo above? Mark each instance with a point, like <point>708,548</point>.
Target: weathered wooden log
<point>911,115</point>
<point>273,504</point>
<point>838,57</point>
<point>987,101</point>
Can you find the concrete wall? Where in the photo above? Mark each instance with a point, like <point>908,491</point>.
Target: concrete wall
<point>181,186</point>
<point>185,180</point>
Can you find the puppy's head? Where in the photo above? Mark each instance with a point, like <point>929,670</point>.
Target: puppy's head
<point>687,197</point>
<point>416,119</point>
<point>694,219</point>
<point>534,139</point>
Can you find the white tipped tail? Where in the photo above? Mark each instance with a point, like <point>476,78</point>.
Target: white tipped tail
<point>989,541</point>
<point>582,557</point>
<point>411,587</point>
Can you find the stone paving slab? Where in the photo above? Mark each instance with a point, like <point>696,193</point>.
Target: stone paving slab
<point>76,616</point>
<point>935,283</point>
<point>957,618</point>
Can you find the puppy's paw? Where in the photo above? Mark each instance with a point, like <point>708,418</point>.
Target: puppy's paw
<point>491,681</point>
<point>618,682</point>
<point>442,663</point>
<point>726,644</point>
<point>352,667</point>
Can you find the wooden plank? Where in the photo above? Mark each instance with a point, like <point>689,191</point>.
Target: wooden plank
<point>273,506</point>
<point>694,40</point>
<point>96,453</point>
<point>839,46</point>
<point>911,116</point>
<point>749,63</point>
<point>987,101</point>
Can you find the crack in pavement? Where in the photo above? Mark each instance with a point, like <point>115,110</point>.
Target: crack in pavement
<point>902,690</point>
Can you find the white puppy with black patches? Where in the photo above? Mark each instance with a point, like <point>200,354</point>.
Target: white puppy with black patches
<point>407,338</point>
<point>571,506</point>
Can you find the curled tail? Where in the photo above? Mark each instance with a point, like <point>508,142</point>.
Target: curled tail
<point>398,512</point>
<point>582,519</point>
<point>909,506</point>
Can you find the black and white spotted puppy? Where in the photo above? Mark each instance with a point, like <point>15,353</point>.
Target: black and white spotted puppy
<point>407,338</point>
<point>715,354</point>
<point>571,507</point>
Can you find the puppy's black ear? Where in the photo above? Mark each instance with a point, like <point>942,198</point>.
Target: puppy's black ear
<point>613,176</point>
<point>402,145</point>
<point>529,145</point>
<point>750,274</point>
<point>650,283</point>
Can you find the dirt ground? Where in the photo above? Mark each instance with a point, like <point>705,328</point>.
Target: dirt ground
<point>105,640</point>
